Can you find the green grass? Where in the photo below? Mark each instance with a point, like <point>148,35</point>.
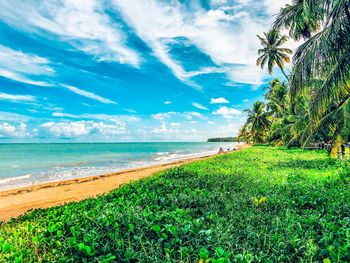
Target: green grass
<point>262,204</point>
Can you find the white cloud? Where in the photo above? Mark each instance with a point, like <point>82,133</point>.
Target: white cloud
<point>274,6</point>
<point>164,132</point>
<point>163,115</point>
<point>8,130</point>
<point>220,100</point>
<point>17,98</point>
<point>199,106</point>
<point>24,62</point>
<point>88,94</point>
<point>175,124</point>
<point>65,115</point>
<point>219,33</point>
<point>228,130</point>
<point>204,70</point>
<point>21,78</point>
<point>103,117</point>
<point>79,129</point>
<point>113,118</point>
<point>13,117</point>
<point>64,129</point>
<point>175,116</point>
<point>167,102</point>
<point>189,115</point>
<point>247,74</point>
<point>218,2</point>
<point>227,112</point>
<point>23,67</point>
<point>83,24</point>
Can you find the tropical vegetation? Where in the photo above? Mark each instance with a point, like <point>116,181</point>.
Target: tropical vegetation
<point>247,206</point>
<point>313,104</point>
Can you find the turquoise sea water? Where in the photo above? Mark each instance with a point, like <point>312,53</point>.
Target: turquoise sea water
<point>28,164</point>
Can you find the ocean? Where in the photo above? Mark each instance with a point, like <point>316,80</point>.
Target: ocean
<point>25,164</point>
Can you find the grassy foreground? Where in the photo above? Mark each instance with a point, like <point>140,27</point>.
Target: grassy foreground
<point>259,205</point>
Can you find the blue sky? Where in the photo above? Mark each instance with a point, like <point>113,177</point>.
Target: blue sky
<point>129,70</point>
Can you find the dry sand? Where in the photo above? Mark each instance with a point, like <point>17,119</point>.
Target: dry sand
<point>18,201</point>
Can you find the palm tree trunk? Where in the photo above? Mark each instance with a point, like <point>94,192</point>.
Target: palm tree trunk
<point>284,73</point>
<point>333,153</point>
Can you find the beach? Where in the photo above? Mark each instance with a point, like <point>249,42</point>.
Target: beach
<point>15,202</point>
<point>23,165</point>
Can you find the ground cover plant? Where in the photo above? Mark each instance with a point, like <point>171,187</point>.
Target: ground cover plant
<point>263,204</point>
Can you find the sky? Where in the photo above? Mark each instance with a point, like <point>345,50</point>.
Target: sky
<point>129,70</point>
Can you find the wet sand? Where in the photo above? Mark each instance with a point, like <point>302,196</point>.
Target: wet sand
<point>18,201</point>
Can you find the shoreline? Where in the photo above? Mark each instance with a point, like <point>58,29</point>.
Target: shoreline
<point>15,202</point>
<point>40,170</point>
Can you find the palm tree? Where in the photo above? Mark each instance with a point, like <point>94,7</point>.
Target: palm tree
<point>258,119</point>
<point>272,52</point>
<point>301,18</point>
<point>324,59</point>
<point>277,97</point>
<point>277,104</point>
<point>244,133</point>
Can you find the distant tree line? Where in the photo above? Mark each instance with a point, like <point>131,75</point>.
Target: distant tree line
<point>224,139</point>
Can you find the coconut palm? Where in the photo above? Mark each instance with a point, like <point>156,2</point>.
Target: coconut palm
<point>277,97</point>
<point>272,52</point>
<point>301,18</point>
<point>244,133</point>
<point>324,60</point>
<point>258,119</point>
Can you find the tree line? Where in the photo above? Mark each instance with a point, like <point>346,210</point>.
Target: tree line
<point>312,105</point>
<point>223,139</point>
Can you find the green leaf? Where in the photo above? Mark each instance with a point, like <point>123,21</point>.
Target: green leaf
<point>19,259</point>
<point>220,252</point>
<point>239,257</point>
<point>72,241</point>
<point>131,227</point>
<point>204,254</point>
<point>156,228</point>
<point>172,230</point>
<point>6,247</point>
<point>81,247</point>
<point>86,238</point>
<point>89,251</point>
<point>208,232</point>
<point>35,240</point>
<point>107,258</point>
<point>327,260</point>
<point>52,228</point>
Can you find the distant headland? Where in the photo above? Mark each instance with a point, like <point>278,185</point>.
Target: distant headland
<point>223,139</point>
